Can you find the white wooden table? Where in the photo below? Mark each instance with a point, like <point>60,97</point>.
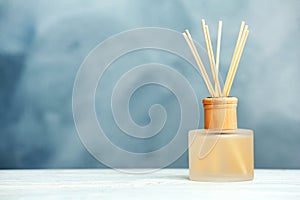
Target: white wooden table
<point>164,184</point>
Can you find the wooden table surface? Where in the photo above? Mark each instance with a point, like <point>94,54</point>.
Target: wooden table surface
<point>163,184</point>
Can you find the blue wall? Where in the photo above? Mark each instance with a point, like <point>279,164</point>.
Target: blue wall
<point>43,43</point>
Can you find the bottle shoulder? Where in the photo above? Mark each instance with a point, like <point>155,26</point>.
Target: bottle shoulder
<point>238,131</point>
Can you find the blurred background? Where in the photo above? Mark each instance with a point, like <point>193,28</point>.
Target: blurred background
<point>43,43</point>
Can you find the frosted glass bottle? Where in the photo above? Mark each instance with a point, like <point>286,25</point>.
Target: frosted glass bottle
<point>221,151</point>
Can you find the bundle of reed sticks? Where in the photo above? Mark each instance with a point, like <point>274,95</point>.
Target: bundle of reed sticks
<point>215,90</point>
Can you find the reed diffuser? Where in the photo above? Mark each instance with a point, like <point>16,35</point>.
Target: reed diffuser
<point>220,151</point>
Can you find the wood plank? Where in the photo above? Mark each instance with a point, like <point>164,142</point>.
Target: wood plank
<point>166,183</point>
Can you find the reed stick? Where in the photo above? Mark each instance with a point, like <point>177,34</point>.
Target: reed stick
<point>218,48</point>
<point>236,64</point>
<point>211,58</point>
<point>189,40</point>
<point>231,68</point>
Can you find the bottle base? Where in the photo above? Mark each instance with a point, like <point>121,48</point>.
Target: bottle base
<point>211,178</point>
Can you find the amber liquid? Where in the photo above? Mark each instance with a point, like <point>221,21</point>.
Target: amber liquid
<point>225,155</point>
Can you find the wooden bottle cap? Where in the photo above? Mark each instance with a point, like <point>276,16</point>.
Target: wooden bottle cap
<point>220,113</point>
